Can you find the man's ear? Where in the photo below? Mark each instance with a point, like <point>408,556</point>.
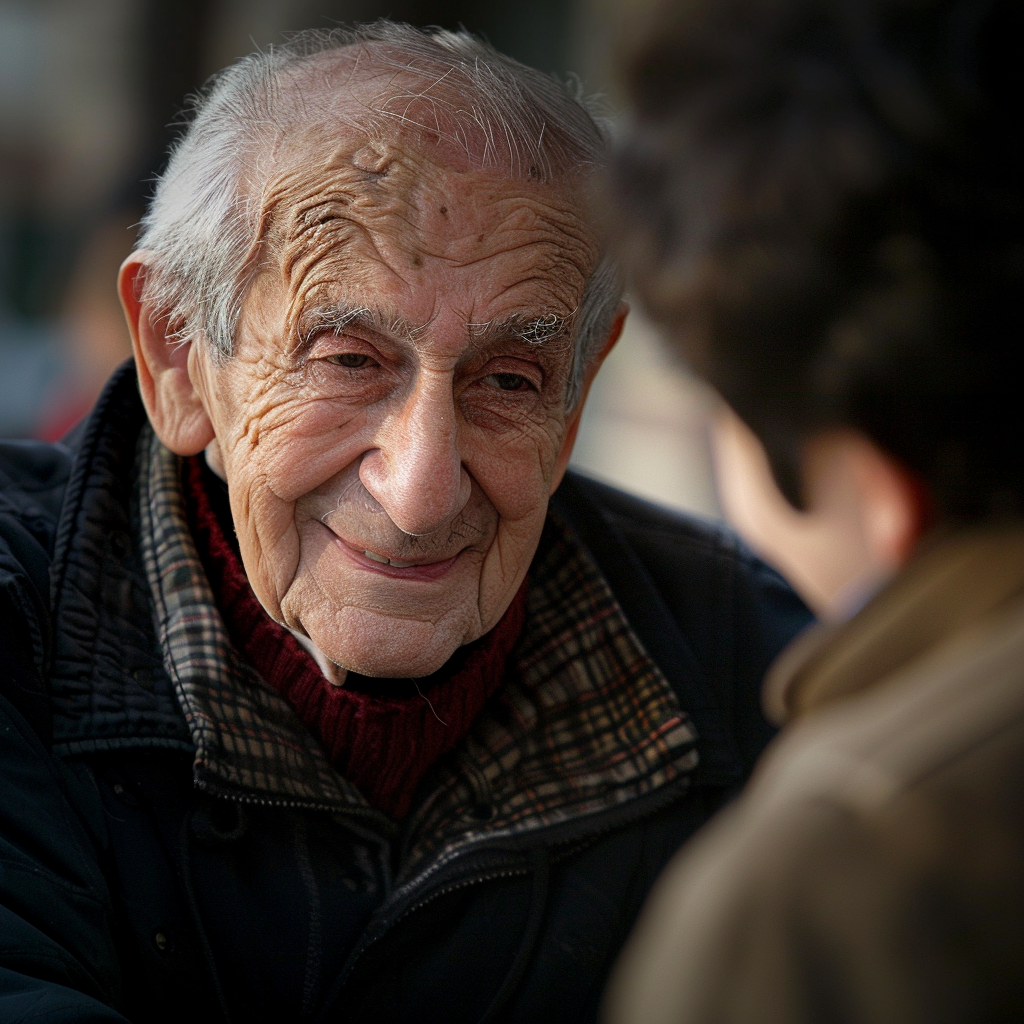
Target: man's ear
<point>572,425</point>
<point>173,403</point>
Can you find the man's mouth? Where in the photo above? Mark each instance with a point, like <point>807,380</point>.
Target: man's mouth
<point>424,571</point>
<point>388,561</point>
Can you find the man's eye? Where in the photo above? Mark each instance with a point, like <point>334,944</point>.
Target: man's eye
<point>350,360</point>
<point>507,381</point>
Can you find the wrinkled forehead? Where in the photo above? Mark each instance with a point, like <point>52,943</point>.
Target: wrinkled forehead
<point>373,120</point>
<point>396,183</point>
<point>347,207</point>
<point>353,203</point>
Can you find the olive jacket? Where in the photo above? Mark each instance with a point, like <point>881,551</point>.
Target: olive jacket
<point>873,871</point>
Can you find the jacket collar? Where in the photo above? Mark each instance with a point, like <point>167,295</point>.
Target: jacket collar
<point>708,701</point>
<point>955,585</point>
<point>107,684</point>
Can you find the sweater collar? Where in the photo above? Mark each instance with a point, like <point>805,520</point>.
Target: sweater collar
<point>955,585</point>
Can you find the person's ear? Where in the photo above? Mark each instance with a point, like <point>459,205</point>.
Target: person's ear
<point>864,512</point>
<point>892,502</point>
<point>572,425</point>
<point>169,393</point>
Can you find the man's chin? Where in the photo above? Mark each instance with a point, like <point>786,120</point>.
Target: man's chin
<point>384,665</point>
<point>396,650</point>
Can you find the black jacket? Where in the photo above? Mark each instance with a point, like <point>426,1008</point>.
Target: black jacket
<point>127,892</point>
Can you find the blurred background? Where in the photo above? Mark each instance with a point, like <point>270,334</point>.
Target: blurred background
<point>89,94</point>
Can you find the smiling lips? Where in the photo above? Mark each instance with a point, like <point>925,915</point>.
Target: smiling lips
<point>388,561</point>
<point>424,571</point>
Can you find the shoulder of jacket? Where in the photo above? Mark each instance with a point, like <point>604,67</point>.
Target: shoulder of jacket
<point>951,721</point>
<point>710,614</point>
<point>654,530</point>
<point>33,478</point>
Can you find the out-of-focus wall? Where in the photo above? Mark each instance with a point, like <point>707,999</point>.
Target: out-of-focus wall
<point>69,111</point>
<point>645,427</point>
<point>70,122</point>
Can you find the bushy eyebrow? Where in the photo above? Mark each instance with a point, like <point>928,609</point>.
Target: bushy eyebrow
<point>335,317</point>
<point>533,330</point>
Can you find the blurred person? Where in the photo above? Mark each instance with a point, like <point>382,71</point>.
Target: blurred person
<point>310,708</point>
<point>822,203</point>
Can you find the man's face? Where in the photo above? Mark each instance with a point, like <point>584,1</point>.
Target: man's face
<point>389,426</point>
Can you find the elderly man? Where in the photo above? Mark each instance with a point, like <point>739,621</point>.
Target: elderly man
<point>312,709</point>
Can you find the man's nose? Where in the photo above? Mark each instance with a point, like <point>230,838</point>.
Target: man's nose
<point>415,471</point>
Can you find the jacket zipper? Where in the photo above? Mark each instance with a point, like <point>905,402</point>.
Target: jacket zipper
<point>368,943</point>
<point>658,801</point>
<point>388,829</point>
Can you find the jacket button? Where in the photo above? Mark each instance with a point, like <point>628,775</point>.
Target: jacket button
<point>162,942</point>
<point>123,793</point>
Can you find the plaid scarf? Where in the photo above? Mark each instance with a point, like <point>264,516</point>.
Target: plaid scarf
<point>583,722</point>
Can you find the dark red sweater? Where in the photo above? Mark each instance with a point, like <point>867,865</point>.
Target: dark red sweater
<point>381,734</point>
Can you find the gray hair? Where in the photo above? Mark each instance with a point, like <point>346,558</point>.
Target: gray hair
<point>203,225</point>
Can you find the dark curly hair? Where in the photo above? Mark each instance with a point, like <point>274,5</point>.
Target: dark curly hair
<point>822,200</point>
